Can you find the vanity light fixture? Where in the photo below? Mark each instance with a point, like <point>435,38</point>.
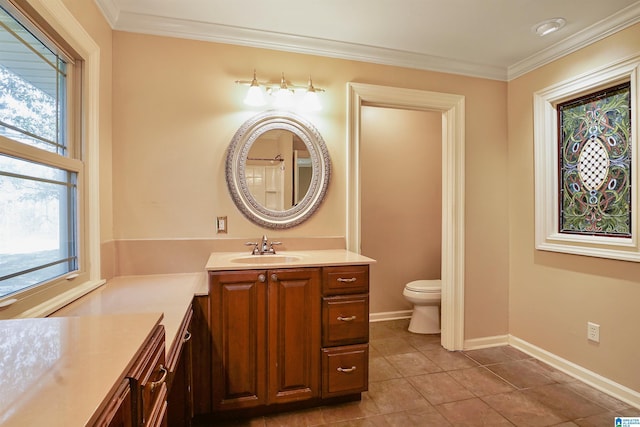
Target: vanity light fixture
<point>283,93</point>
<point>311,101</point>
<point>549,26</point>
<point>255,94</point>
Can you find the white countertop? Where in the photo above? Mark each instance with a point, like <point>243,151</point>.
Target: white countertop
<point>226,261</point>
<point>59,371</point>
<point>170,294</point>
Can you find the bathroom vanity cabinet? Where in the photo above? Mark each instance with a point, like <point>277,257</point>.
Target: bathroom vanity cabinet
<point>284,336</point>
<point>265,336</point>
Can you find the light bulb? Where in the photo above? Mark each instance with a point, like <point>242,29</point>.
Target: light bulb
<point>255,95</point>
<point>311,101</point>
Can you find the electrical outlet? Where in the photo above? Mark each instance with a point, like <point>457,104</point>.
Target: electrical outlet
<point>593,332</point>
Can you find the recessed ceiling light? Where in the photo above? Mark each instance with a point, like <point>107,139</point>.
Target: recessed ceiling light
<point>549,26</point>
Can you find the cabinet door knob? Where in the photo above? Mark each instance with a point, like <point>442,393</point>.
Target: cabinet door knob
<point>274,277</point>
<point>262,278</point>
<point>346,370</point>
<point>350,280</point>
<point>187,337</point>
<point>346,319</point>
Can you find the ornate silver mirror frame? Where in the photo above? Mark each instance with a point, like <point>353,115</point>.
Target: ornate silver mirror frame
<point>237,155</point>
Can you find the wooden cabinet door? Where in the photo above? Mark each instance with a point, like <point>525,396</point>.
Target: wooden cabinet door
<point>294,334</point>
<point>180,365</point>
<point>119,412</point>
<point>239,330</point>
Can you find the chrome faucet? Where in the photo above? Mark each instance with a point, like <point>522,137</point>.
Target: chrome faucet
<point>264,247</point>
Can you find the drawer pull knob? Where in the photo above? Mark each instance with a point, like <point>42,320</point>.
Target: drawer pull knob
<point>350,280</point>
<point>155,384</point>
<point>346,319</point>
<point>262,278</point>
<point>346,370</point>
<point>187,337</point>
<point>274,277</point>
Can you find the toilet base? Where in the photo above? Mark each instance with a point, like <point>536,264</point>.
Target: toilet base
<point>425,319</point>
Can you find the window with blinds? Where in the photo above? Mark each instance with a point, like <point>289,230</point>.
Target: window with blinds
<point>40,164</point>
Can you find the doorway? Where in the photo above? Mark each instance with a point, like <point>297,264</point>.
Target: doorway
<point>401,198</point>
<point>451,107</point>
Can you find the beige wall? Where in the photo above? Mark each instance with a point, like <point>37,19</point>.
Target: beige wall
<point>176,109</point>
<point>401,200</point>
<point>551,295</point>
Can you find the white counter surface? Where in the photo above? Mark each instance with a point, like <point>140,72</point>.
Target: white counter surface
<point>170,294</point>
<point>59,371</point>
<point>226,261</point>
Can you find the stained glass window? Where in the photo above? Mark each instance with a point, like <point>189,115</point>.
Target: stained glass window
<point>595,163</point>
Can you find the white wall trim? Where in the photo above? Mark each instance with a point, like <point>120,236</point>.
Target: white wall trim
<point>486,342</point>
<point>591,378</point>
<point>452,108</point>
<point>56,14</point>
<point>390,315</point>
<point>595,380</point>
<point>547,236</point>
<point>56,303</point>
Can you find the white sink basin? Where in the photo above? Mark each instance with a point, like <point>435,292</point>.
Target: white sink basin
<point>266,259</point>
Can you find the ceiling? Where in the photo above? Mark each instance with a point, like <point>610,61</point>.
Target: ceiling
<point>485,38</point>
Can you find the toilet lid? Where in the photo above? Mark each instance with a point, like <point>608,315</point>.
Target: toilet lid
<point>425,285</point>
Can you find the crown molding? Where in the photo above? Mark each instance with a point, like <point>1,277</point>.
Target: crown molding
<point>110,11</point>
<point>598,31</point>
<point>148,24</point>
<point>197,30</point>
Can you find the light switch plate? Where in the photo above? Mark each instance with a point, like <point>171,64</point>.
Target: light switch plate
<point>221,224</point>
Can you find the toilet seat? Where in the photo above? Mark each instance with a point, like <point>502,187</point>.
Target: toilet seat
<point>425,286</point>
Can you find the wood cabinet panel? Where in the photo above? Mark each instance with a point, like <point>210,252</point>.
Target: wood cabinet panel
<point>345,370</point>
<point>119,411</point>
<point>345,320</point>
<point>179,363</point>
<point>148,376</point>
<point>294,334</point>
<point>342,280</point>
<point>201,356</point>
<point>238,326</point>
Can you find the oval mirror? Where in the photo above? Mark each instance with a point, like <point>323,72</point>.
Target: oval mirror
<point>277,169</point>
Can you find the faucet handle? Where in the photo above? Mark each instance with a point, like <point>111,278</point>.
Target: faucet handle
<point>255,247</point>
<point>271,246</point>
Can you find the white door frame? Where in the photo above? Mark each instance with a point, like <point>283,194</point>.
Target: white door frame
<point>452,108</point>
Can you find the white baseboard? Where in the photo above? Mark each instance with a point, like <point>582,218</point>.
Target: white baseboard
<point>390,315</point>
<point>597,381</point>
<point>486,342</point>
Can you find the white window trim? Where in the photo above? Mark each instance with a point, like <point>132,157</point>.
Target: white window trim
<point>42,304</point>
<point>547,237</point>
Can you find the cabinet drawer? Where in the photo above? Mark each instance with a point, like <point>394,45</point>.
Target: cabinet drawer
<point>351,279</point>
<point>345,320</point>
<point>345,370</point>
<point>149,375</point>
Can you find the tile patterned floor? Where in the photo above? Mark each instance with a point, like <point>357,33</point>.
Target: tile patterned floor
<point>413,381</point>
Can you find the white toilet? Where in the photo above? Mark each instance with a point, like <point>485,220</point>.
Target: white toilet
<point>425,297</point>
